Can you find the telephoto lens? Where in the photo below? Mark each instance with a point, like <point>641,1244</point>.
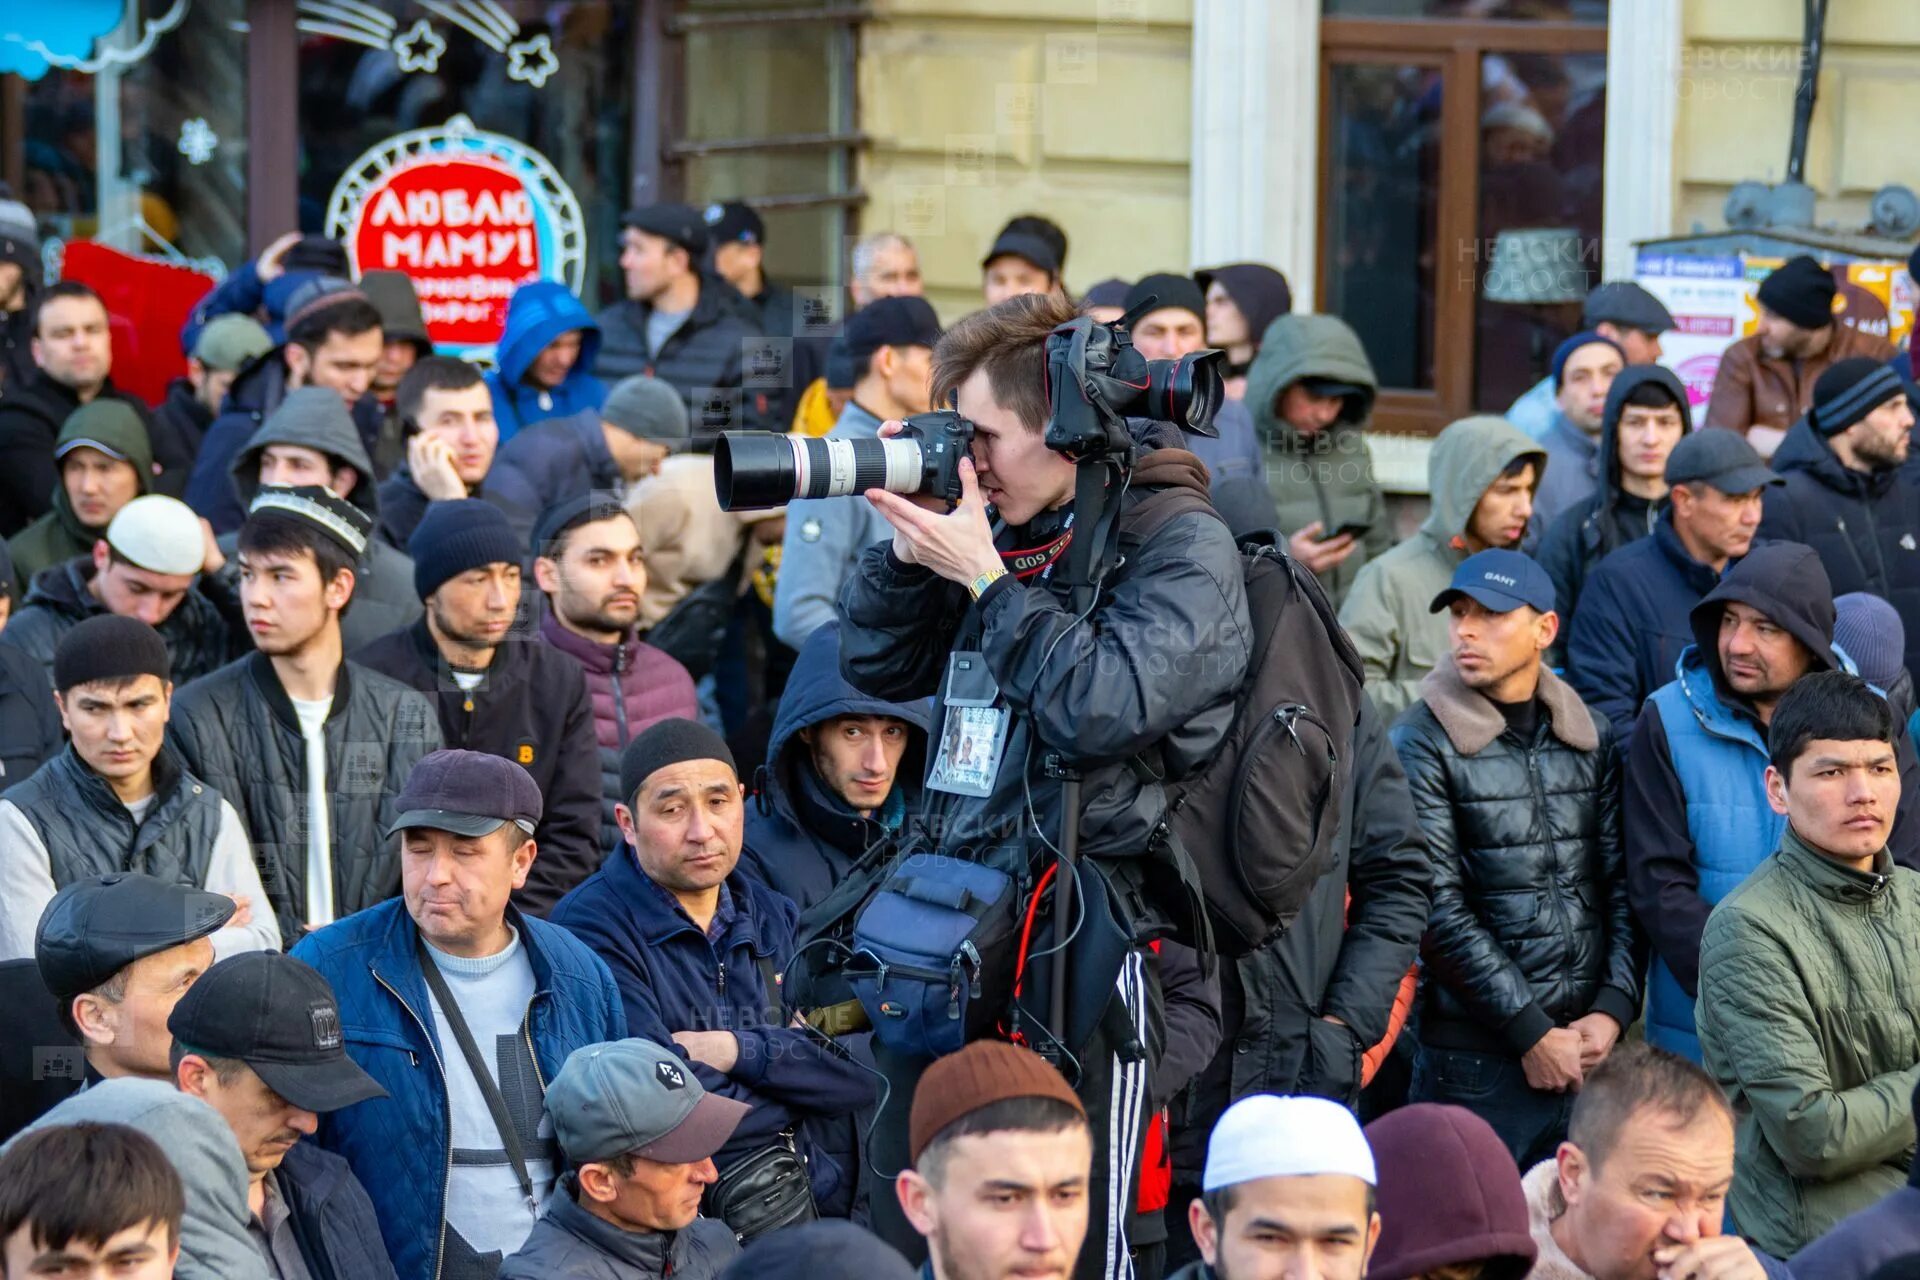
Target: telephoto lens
<point>757,469</point>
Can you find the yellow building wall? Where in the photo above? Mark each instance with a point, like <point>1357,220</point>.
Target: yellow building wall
<point>1740,65</point>
<point>982,109</point>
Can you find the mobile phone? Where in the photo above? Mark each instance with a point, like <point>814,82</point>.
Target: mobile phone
<point>1355,528</point>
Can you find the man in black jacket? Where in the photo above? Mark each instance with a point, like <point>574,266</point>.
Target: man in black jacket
<point>1298,1014</point>
<point>499,692</point>
<point>312,748</point>
<point>1156,665</point>
<point>226,345</point>
<point>74,356</point>
<point>451,440</point>
<point>258,1039</point>
<point>1532,963</point>
<point>795,330</point>
<point>1848,493</point>
<point>677,325</point>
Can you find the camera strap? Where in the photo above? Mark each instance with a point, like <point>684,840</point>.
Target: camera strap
<point>1039,561</point>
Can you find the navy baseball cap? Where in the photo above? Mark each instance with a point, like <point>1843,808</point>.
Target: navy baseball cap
<point>1500,580</point>
<point>734,221</point>
<point>469,793</point>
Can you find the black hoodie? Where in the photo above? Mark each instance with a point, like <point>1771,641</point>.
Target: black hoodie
<point>1610,517</point>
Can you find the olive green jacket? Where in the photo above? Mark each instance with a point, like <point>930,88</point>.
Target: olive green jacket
<point>1808,977</point>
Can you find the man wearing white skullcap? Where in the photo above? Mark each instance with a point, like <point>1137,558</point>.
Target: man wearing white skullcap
<point>1288,1191</point>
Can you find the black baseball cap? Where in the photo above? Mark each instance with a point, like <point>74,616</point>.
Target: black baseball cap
<point>891,322</point>
<point>677,223</point>
<point>1721,458</point>
<point>1501,580</point>
<point>1025,246</point>
<point>469,793</point>
<point>1626,304</point>
<point>279,1016</point>
<point>96,927</point>
<point>734,222</point>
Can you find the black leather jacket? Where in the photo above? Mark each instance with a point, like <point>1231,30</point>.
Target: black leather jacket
<point>1530,926</point>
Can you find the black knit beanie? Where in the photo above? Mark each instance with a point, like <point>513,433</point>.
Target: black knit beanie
<point>1849,391</point>
<point>108,646</point>
<point>456,536</point>
<point>666,743</point>
<point>1800,291</point>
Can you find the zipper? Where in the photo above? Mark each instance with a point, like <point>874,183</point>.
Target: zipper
<point>446,1177</point>
<point>526,1034</point>
<point>1286,718</point>
<point>619,695</point>
<point>1542,830</point>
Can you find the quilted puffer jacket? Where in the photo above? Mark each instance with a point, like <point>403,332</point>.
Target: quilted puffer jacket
<point>1530,926</point>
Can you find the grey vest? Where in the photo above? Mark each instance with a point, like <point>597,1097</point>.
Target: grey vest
<point>88,832</point>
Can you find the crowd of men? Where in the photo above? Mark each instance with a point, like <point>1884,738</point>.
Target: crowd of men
<point>431,827</point>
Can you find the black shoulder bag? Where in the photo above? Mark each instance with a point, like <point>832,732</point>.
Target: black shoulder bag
<point>489,1087</point>
<point>768,1189</point>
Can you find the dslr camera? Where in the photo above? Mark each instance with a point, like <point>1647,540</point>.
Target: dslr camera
<point>1096,380</point>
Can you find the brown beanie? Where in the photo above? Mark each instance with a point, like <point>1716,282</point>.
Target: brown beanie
<point>981,1074</point>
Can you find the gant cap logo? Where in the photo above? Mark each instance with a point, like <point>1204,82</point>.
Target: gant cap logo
<point>326,1026</point>
<point>670,1075</point>
<point>1502,579</point>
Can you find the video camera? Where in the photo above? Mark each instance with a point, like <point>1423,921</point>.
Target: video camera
<point>1095,381</point>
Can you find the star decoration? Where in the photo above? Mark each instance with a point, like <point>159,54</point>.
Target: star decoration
<point>420,48</point>
<point>532,61</point>
<point>197,140</point>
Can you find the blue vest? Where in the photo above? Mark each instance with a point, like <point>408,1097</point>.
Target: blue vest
<point>1721,759</point>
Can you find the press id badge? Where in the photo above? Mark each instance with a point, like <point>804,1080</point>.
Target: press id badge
<point>975,732</point>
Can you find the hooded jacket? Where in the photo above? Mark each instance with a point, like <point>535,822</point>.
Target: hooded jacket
<point>238,730</point>
<point>32,411</point>
<point>540,312</point>
<point>1864,524</point>
<point>1609,517</point>
<point>1327,476</point>
<point>1344,955</point>
<point>1633,622</point>
<point>801,839</point>
<point>630,687</point>
<point>214,1241</point>
<point>530,708</point>
<point>1166,652</point>
<point>1387,612</point>
<point>383,596</point>
<point>568,1243</point>
<point>706,353</point>
<point>1573,470</point>
<point>1807,975</point>
<point>1869,1239</point>
<point>548,463</point>
<point>673,977</point>
<point>257,391</point>
<point>1258,292</point>
<point>332,1216</point>
<point>197,635</point>
<point>398,1146</point>
<point>1695,804</point>
<point>1530,926</point>
<point>58,536</point>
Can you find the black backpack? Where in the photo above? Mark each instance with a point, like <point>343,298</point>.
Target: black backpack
<point>695,628</point>
<point>1257,820</point>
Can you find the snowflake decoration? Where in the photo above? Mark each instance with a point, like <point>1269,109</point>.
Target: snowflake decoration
<point>198,141</point>
<point>532,61</point>
<point>420,48</point>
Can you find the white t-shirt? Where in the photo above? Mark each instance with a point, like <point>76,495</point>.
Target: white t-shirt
<point>468,680</point>
<point>313,720</point>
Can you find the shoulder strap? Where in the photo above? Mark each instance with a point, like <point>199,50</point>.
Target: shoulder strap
<point>482,1074</point>
<point>776,1000</point>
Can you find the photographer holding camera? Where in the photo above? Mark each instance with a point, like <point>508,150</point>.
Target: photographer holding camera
<point>970,605</point>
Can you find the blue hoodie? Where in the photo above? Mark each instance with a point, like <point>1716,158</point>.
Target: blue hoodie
<point>540,312</point>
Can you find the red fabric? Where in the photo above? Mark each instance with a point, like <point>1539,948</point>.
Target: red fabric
<point>147,304</point>
<point>1156,1168</point>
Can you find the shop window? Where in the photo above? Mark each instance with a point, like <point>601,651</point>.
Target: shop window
<point>556,75</point>
<point>137,137</point>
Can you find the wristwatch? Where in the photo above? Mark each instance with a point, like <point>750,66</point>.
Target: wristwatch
<point>978,587</point>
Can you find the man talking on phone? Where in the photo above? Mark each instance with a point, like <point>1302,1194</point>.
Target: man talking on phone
<point>982,622</point>
<point>451,438</point>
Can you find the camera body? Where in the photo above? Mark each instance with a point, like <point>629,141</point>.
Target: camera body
<point>1096,380</point>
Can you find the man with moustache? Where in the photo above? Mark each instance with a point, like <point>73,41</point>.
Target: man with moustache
<point>1807,974</point>
<point>1532,967</point>
<point>496,691</point>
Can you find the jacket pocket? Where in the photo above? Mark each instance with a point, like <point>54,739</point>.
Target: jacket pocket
<point>1333,1062</point>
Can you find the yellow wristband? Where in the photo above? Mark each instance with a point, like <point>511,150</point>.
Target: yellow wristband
<point>980,584</point>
